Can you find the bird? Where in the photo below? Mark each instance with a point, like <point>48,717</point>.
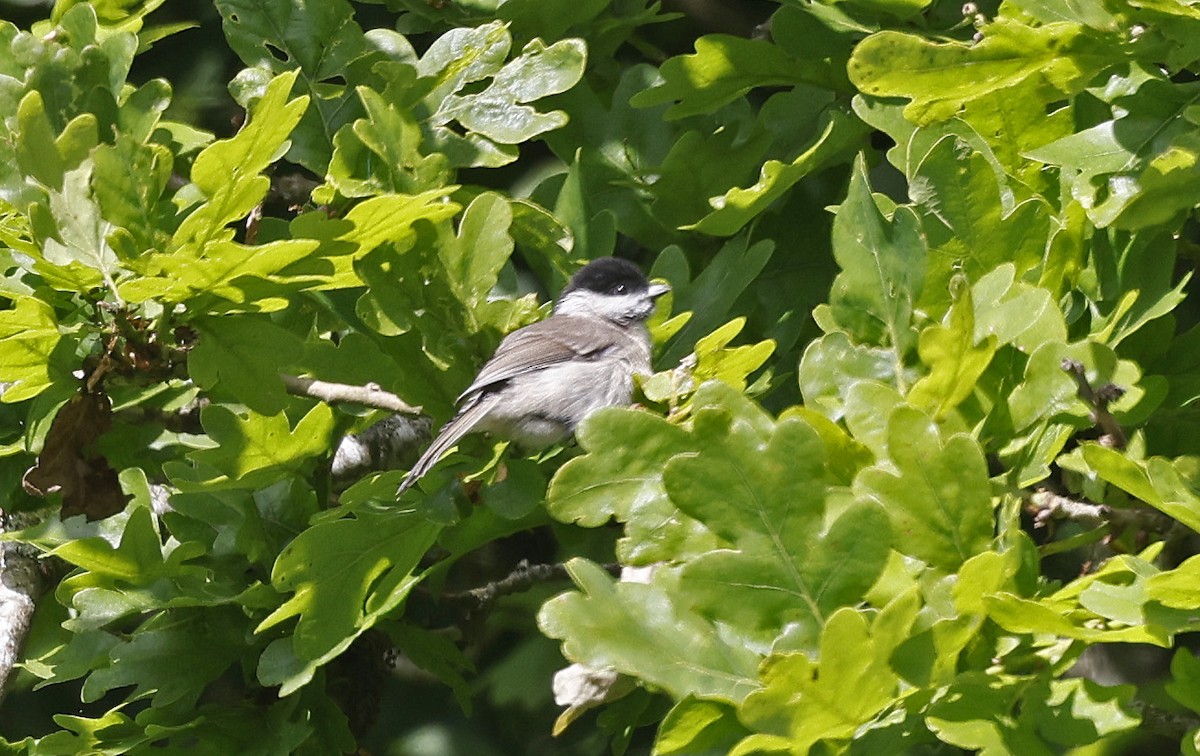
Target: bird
<point>545,378</point>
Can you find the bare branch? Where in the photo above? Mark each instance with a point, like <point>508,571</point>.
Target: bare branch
<point>1047,507</point>
<point>523,577</point>
<point>369,395</point>
<point>386,445</point>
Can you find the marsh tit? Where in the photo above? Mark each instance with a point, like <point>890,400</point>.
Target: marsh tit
<point>545,378</point>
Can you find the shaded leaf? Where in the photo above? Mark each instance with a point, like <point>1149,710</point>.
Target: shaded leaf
<point>243,356</point>
<point>344,576</point>
<point>722,69</point>
<point>621,477</point>
<point>882,265</point>
<point>955,360</point>
<point>839,135</point>
<point>829,695</point>
<point>255,449</point>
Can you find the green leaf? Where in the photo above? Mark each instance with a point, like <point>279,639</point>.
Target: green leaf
<point>390,218</point>
<point>1184,685</point>
<point>970,232</point>
<point>1047,391</point>
<point>128,182</point>
<point>1090,12</point>
<point>640,630</point>
<point>711,295</point>
<point>620,477</point>
<point>496,116</point>
<point>955,360</point>
<point>499,112</point>
<point>829,697</point>
<point>345,575</point>
<point>42,155</point>
<point>481,248</point>
<point>1079,711</point>
<point>174,656</point>
<point>243,356</point>
<point>226,276</point>
<point>766,497</point>
<point>1155,481</point>
<point>381,153</point>
<point>1139,168</point>
<point>255,449</point>
<point>137,559</point>
<point>1013,312</point>
<point>1177,588</point>
<point>28,337</point>
<point>715,360</point>
<point>937,494</point>
<point>228,171</point>
<point>318,42</point>
<point>839,135</point>
<point>695,726</point>
<point>882,268</point>
<point>1134,266</point>
<point>976,714</point>
<point>1020,615</point>
<point>463,56</point>
<point>832,366</point>
<point>722,69</point>
<point>79,240</point>
<point>940,77</point>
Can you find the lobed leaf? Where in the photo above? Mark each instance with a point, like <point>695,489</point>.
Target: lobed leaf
<point>254,450</point>
<point>882,265</point>
<point>940,77</point>
<point>28,337</point>
<point>344,575</point>
<point>936,493</point>
<point>784,567</point>
<point>640,630</point>
<point>722,69</point>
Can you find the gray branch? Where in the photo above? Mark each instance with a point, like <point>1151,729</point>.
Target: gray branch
<point>21,583</point>
<point>1047,507</point>
<point>369,395</point>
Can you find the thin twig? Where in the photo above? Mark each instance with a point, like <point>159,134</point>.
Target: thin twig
<point>1047,507</point>
<point>369,395</point>
<point>1098,400</point>
<point>523,577</point>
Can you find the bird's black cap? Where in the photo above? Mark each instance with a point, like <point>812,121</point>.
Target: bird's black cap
<point>608,275</point>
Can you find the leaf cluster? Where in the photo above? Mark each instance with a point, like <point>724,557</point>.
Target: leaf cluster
<point>930,271</point>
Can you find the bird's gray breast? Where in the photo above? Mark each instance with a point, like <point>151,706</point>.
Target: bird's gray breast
<point>543,406</point>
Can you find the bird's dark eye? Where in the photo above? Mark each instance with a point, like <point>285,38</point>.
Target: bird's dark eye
<point>619,289</point>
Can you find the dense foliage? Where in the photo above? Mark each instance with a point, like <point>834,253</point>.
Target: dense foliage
<point>925,431</point>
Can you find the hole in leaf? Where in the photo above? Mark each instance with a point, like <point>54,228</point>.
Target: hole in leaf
<point>276,53</point>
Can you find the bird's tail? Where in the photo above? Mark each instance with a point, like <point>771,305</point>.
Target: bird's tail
<point>450,434</point>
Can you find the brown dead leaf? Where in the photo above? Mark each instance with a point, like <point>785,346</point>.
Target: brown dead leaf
<point>70,465</point>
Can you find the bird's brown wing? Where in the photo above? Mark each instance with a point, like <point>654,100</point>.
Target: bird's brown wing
<point>558,339</point>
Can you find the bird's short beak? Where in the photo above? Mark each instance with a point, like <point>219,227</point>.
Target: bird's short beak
<point>657,290</point>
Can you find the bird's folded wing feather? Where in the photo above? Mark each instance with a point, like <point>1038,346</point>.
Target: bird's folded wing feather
<point>540,345</point>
